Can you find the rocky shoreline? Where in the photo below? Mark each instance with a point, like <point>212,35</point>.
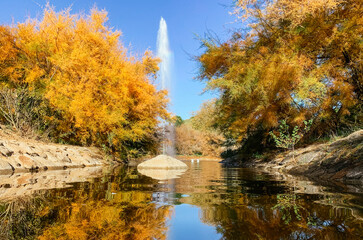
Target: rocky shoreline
<point>25,184</point>
<point>339,161</point>
<point>24,155</point>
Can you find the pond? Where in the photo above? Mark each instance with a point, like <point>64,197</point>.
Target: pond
<point>205,202</point>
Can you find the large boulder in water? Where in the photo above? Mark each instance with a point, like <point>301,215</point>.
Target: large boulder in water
<point>162,162</point>
<point>162,174</point>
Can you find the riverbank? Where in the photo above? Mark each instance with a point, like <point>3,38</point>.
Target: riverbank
<point>23,155</point>
<point>341,160</point>
<point>25,184</point>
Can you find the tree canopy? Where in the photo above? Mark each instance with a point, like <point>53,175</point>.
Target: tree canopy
<point>297,60</point>
<point>97,91</point>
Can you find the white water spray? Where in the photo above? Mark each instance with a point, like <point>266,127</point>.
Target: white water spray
<point>165,55</point>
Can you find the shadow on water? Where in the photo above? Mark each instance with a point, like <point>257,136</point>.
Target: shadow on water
<point>206,202</point>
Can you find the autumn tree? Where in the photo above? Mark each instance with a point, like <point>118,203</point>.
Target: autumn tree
<point>205,118</point>
<point>98,92</point>
<point>178,120</point>
<point>297,60</point>
<point>199,135</point>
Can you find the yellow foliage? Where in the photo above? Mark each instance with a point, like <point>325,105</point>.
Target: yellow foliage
<point>80,67</point>
<point>199,135</point>
<point>190,141</point>
<point>111,220</point>
<point>276,10</point>
<point>301,60</point>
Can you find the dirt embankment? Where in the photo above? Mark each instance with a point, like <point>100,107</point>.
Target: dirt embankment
<point>341,160</point>
<point>21,155</point>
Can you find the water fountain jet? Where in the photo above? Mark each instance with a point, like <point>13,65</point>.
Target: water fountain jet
<point>165,161</point>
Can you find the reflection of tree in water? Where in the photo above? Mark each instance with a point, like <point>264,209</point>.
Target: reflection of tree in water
<point>112,207</point>
<point>21,218</point>
<point>110,220</point>
<point>265,217</point>
<point>286,204</point>
<point>241,204</point>
<point>250,206</point>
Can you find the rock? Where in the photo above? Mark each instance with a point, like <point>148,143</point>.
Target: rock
<point>5,167</point>
<point>33,154</point>
<point>355,173</point>
<point>66,159</point>
<point>26,162</point>
<point>25,184</point>
<point>22,155</point>
<point>163,162</point>
<point>356,137</point>
<point>162,167</point>
<point>309,156</point>
<point>6,152</point>
<point>162,174</point>
<point>341,160</point>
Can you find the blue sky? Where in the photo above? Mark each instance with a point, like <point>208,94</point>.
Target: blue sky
<point>139,22</point>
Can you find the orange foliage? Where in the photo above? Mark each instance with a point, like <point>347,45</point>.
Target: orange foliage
<point>104,220</point>
<point>190,141</point>
<point>198,135</point>
<point>100,94</point>
<point>301,60</point>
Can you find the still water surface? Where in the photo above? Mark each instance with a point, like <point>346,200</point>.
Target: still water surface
<point>205,202</point>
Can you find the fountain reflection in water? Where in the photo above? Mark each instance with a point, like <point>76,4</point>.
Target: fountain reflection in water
<point>165,55</point>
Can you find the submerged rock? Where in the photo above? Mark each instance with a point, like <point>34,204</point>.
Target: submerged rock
<point>162,162</point>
